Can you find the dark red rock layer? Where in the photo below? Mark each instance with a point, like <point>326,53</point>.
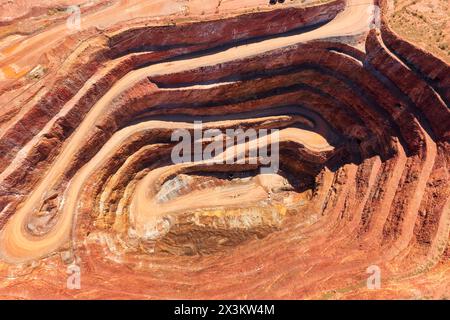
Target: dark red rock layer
<point>380,197</point>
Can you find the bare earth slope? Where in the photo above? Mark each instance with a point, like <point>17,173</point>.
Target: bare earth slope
<point>87,181</point>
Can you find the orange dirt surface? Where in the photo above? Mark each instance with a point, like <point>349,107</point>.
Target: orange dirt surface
<point>425,23</point>
<point>94,96</point>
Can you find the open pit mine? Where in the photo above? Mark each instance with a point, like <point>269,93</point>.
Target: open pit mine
<point>93,205</point>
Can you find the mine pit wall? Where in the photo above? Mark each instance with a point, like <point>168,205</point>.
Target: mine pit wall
<point>144,85</point>
<point>80,70</point>
<point>431,227</point>
<point>275,242</point>
<point>376,76</point>
<point>426,92</point>
<point>400,221</point>
<point>138,98</point>
<point>422,100</point>
<point>377,95</point>
<point>72,77</point>
<point>66,60</point>
<point>47,149</point>
<point>39,113</point>
<point>430,68</point>
<point>83,66</point>
<point>146,155</point>
<point>215,33</point>
<point>64,126</point>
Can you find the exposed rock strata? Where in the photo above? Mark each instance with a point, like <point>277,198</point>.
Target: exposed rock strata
<point>86,174</point>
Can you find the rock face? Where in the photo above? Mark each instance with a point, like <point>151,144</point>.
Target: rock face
<point>361,118</point>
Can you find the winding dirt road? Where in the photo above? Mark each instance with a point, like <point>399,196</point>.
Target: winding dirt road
<point>87,176</point>
<point>17,245</point>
